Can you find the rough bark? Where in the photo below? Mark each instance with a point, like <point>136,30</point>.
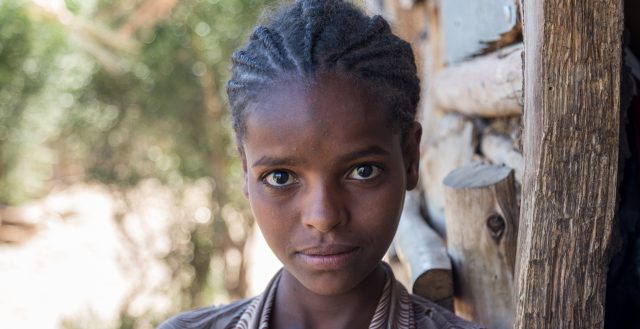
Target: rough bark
<point>570,146</point>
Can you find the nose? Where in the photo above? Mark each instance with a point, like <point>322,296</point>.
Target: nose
<point>323,209</point>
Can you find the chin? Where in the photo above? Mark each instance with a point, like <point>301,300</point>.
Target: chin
<point>328,283</point>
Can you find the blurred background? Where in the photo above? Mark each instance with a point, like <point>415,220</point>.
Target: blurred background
<point>120,188</point>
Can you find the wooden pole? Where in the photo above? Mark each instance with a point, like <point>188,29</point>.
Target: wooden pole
<point>482,224</point>
<point>570,145</point>
<point>420,247</point>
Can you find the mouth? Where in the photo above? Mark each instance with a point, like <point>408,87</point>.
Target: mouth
<point>328,257</point>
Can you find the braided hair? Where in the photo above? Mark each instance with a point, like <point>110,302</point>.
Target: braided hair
<point>318,36</point>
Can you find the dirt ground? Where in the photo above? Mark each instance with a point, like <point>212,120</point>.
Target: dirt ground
<point>85,263</point>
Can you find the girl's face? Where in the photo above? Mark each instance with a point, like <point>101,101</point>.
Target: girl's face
<point>325,174</point>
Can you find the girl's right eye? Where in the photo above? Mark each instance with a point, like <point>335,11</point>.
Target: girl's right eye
<point>279,179</point>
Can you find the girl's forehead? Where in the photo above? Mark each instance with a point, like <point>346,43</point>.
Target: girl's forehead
<point>292,94</point>
<point>332,106</point>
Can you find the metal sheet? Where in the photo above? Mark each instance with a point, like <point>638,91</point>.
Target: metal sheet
<point>468,25</point>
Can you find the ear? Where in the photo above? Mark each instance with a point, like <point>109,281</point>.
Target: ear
<point>411,150</point>
<point>243,158</point>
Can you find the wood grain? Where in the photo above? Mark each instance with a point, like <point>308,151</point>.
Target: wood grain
<point>570,146</point>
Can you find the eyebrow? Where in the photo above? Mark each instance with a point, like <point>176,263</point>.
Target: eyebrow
<point>267,161</point>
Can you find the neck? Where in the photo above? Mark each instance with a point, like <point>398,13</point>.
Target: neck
<point>298,307</point>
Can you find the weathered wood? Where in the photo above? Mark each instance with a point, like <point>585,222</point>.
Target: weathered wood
<point>419,247</point>
<point>487,86</point>
<point>501,151</point>
<point>453,145</point>
<point>570,144</point>
<point>482,225</point>
<point>509,126</point>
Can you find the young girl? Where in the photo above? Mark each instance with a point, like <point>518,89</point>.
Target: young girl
<point>324,101</point>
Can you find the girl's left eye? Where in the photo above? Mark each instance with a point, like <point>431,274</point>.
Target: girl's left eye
<point>279,179</point>
<point>365,172</point>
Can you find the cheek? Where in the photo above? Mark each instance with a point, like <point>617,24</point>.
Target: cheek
<point>272,217</point>
<point>379,211</point>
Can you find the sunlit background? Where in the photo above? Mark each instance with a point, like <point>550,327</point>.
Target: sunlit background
<point>120,191</point>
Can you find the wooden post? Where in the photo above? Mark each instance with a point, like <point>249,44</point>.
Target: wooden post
<point>419,247</point>
<point>482,225</point>
<point>570,145</point>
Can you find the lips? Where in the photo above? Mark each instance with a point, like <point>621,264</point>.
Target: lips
<point>328,257</point>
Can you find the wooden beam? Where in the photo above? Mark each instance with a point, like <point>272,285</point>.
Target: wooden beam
<point>570,145</point>
<point>420,247</point>
<point>482,225</point>
<point>487,86</point>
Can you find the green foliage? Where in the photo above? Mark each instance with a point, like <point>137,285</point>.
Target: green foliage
<point>27,53</point>
<point>157,115</point>
<point>101,91</point>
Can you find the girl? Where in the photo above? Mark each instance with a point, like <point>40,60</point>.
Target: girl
<point>324,101</point>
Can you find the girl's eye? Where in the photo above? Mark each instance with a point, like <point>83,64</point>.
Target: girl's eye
<point>365,172</point>
<point>279,179</point>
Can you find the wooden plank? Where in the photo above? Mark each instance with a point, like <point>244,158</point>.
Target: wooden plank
<point>570,144</point>
<point>482,224</point>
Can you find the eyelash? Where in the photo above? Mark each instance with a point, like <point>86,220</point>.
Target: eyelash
<point>377,171</point>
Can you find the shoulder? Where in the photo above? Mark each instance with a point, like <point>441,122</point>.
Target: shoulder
<point>429,315</point>
<point>213,317</point>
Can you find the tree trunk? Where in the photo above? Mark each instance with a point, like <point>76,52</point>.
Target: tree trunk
<point>570,145</point>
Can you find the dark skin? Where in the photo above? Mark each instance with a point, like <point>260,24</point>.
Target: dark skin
<point>325,173</point>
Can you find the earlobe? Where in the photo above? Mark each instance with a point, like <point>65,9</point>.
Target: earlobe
<point>412,154</point>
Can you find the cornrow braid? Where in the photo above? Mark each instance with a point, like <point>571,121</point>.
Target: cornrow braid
<point>313,36</point>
